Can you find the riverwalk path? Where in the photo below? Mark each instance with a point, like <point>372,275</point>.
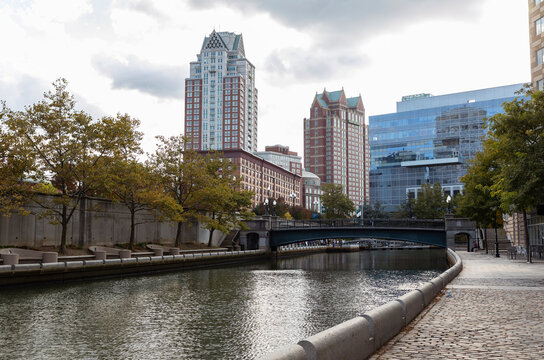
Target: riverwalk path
<point>494,309</point>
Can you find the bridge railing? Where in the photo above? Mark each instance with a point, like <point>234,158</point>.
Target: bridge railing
<point>389,223</point>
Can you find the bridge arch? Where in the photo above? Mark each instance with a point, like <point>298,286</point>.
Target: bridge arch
<point>280,237</point>
<point>252,241</point>
<point>463,241</point>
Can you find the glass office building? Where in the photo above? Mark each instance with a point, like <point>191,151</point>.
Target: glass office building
<point>429,140</point>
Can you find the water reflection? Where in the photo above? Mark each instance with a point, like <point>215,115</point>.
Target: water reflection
<point>230,313</point>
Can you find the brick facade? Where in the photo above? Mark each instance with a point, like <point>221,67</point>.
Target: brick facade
<point>336,143</point>
<point>536,34</point>
<point>265,179</point>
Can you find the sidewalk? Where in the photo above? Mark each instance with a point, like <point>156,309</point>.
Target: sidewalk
<point>494,309</point>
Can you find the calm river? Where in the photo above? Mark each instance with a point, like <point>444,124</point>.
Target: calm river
<point>239,312</point>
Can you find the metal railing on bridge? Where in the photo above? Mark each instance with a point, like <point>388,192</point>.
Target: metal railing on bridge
<point>381,223</point>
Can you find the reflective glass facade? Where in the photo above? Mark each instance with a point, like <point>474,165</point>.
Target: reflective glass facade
<point>429,140</point>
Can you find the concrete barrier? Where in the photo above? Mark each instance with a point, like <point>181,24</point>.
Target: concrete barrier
<point>50,257</point>
<point>291,352</point>
<point>158,251</point>
<point>429,291</point>
<point>6,269</point>
<point>93,263</point>
<point>412,303</point>
<point>348,340</point>
<point>174,251</point>
<point>385,322</point>
<point>143,259</point>
<point>27,267</point>
<point>10,259</point>
<point>74,264</point>
<point>124,254</point>
<point>84,269</point>
<point>100,255</point>
<point>53,266</point>
<point>129,260</point>
<point>438,282</point>
<point>112,261</point>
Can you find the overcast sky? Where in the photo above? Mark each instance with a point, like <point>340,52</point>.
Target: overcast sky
<point>132,56</point>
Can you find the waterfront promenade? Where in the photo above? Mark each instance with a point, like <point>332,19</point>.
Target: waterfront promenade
<point>492,310</point>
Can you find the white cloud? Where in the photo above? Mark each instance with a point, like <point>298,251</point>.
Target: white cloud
<point>381,49</point>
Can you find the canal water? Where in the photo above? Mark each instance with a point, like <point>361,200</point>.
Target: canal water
<point>238,312</point>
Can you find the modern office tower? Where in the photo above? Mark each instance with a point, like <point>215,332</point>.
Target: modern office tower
<point>429,140</point>
<point>220,96</point>
<point>336,143</point>
<point>536,36</point>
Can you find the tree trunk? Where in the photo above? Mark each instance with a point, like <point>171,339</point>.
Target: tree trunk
<point>527,241</point>
<point>210,238</point>
<point>178,234</point>
<point>132,228</point>
<point>64,224</point>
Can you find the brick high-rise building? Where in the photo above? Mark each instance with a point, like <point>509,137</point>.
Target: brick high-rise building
<point>536,36</point>
<point>336,143</point>
<point>220,96</point>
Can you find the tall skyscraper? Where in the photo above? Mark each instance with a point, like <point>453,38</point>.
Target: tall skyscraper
<point>220,96</point>
<point>429,140</point>
<point>336,143</point>
<point>536,36</point>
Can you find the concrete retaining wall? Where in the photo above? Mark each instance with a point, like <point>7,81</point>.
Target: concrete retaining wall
<point>95,222</point>
<point>360,337</point>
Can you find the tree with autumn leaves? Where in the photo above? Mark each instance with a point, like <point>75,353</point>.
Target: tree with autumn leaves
<point>55,155</point>
<point>65,147</point>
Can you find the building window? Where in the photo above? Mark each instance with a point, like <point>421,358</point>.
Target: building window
<point>539,26</point>
<point>540,57</point>
<point>540,85</point>
<point>537,2</point>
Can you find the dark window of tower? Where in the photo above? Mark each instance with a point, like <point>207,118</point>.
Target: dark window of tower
<point>540,57</point>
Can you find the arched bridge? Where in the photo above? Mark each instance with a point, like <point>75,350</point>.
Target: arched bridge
<point>429,232</point>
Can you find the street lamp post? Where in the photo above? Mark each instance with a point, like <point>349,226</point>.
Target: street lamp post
<point>448,200</point>
<point>292,196</point>
<point>274,204</point>
<point>266,206</point>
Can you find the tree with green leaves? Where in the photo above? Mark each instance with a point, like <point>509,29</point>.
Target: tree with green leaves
<point>374,211</point>
<point>221,203</point>
<point>182,175</point>
<point>431,202</point>
<point>516,139</point>
<point>337,204</point>
<point>406,209</point>
<point>67,147</point>
<point>135,186</point>
<point>479,202</point>
<point>15,163</point>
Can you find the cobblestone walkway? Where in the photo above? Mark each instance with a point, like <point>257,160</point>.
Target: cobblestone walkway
<point>494,309</point>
